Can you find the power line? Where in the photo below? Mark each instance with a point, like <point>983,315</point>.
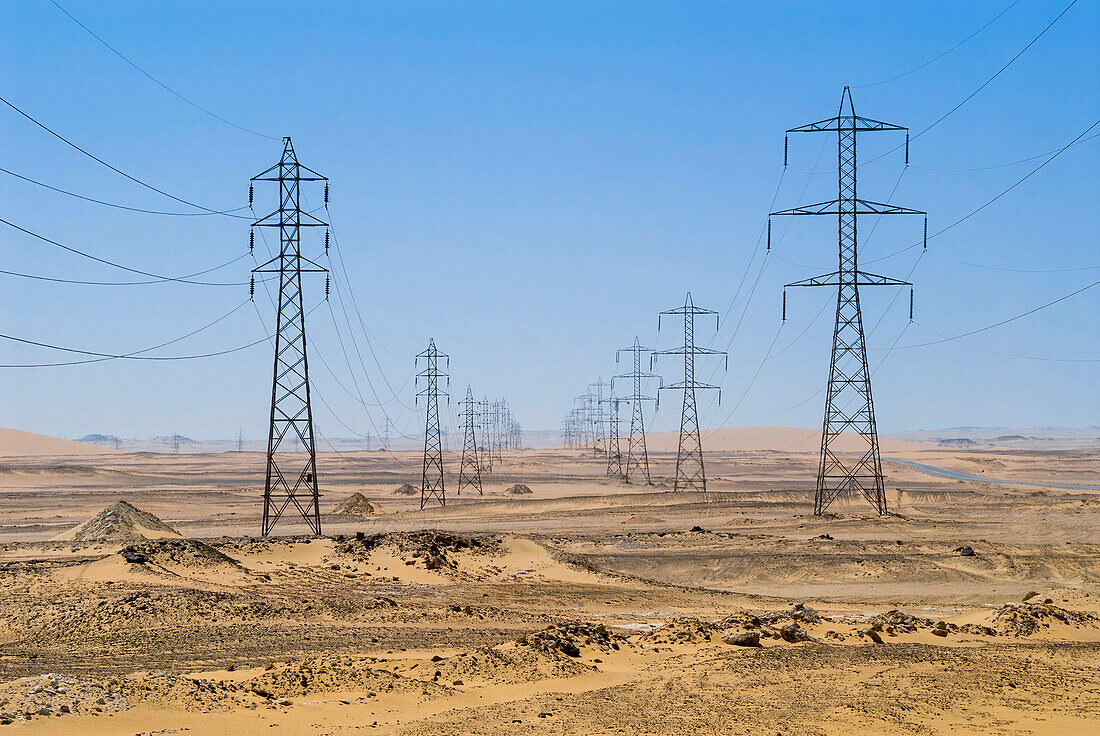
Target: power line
<point>54,279</point>
<point>940,56</point>
<point>190,102</point>
<point>1044,358</point>
<point>983,85</point>
<point>59,190</point>
<point>978,209</point>
<point>1002,322</point>
<point>66,141</point>
<point>99,357</point>
<point>158,277</point>
<point>1006,163</point>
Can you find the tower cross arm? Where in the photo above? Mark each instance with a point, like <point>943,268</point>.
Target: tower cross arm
<point>267,267</point>
<point>696,350</point>
<point>304,219</point>
<point>862,207</point>
<point>857,123</point>
<point>862,279</point>
<point>269,174</point>
<point>681,385</point>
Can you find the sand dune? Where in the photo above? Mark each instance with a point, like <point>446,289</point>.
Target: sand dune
<point>18,442</point>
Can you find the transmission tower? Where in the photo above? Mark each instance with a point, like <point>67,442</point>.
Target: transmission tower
<point>485,425</point>
<point>469,474</point>
<point>690,473</point>
<point>289,481</point>
<point>637,458</point>
<point>614,454</point>
<point>431,480</point>
<point>498,430</point>
<point>599,419</point>
<point>848,403</point>
<point>240,440</point>
<point>387,429</point>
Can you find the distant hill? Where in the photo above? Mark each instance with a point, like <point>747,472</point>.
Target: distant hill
<point>1006,438</point>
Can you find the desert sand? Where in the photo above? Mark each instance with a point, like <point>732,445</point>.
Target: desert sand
<point>587,606</point>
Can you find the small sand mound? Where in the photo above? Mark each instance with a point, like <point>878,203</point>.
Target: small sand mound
<point>644,519</point>
<point>518,490</point>
<point>121,522</point>
<point>358,505</point>
<point>407,490</point>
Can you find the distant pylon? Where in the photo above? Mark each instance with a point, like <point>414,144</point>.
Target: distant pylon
<point>487,432</point>
<point>387,428</point>
<point>848,403</point>
<point>469,474</point>
<point>599,420</point>
<point>240,440</point>
<point>690,472</point>
<point>289,481</point>
<point>614,454</point>
<point>637,458</point>
<point>431,479</point>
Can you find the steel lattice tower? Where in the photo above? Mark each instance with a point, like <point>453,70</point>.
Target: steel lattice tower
<point>690,472</point>
<point>431,479</point>
<point>599,419</point>
<point>289,480</point>
<point>614,454</point>
<point>469,474</point>
<point>387,427</point>
<point>487,432</point>
<point>848,403</point>
<point>637,458</point>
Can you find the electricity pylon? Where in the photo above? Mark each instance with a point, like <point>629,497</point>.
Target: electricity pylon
<point>486,432</point>
<point>599,420</point>
<point>637,458</point>
<point>469,474</point>
<point>387,428</point>
<point>289,481</point>
<point>848,403</point>
<point>499,408</point>
<point>614,454</point>
<point>431,479</point>
<point>690,472</point>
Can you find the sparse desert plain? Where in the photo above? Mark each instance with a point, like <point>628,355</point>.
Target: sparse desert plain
<point>137,598</point>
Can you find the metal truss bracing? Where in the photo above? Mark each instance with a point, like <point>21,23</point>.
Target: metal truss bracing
<point>849,407</point>
<point>637,457</point>
<point>291,478</point>
<point>469,474</point>
<point>614,453</point>
<point>690,470</point>
<point>432,486</point>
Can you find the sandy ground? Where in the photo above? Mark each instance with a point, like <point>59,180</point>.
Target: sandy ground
<point>865,625</point>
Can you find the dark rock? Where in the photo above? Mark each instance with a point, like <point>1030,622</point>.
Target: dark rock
<point>871,634</point>
<point>698,529</point>
<point>965,551</point>
<point>744,639</point>
<point>135,558</point>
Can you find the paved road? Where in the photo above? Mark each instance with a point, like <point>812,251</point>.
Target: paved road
<point>956,475</point>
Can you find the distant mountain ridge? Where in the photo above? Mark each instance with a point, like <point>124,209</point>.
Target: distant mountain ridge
<point>1007,438</point>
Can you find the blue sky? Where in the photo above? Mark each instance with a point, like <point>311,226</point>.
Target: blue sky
<point>530,183</point>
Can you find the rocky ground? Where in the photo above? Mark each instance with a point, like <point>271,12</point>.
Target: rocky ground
<point>583,607</point>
